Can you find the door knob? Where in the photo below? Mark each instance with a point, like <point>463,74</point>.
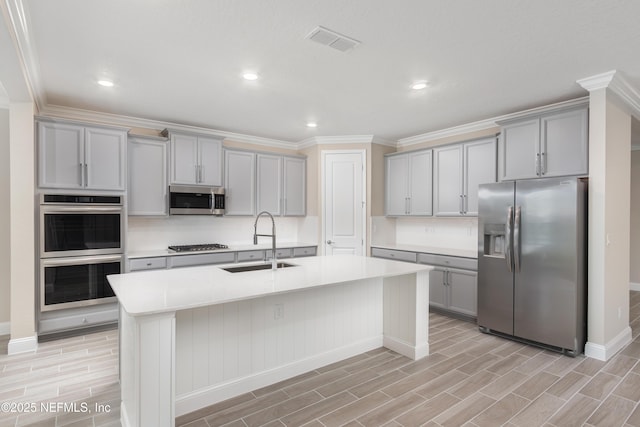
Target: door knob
<point>329,242</point>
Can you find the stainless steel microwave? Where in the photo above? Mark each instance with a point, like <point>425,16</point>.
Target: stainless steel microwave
<point>196,200</point>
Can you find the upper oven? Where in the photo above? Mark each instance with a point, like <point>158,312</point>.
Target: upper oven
<point>80,225</point>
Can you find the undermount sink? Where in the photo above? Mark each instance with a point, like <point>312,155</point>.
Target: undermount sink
<point>255,267</point>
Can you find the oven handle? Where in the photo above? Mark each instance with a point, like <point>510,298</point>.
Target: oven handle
<point>81,209</point>
<point>95,259</point>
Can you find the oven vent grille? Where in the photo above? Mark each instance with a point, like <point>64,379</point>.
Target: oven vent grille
<point>332,39</point>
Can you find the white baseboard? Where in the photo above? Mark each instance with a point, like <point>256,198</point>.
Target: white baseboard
<point>607,351</point>
<point>406,349</point>
<point>634,286</point>
<point>207,396</point>
<point>5,328</point>
<point>22,345</point>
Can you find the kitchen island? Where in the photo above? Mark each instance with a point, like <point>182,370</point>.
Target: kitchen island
<point>195,336</point>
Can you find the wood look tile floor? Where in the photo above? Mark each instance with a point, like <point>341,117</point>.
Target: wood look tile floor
<point>470,379</point>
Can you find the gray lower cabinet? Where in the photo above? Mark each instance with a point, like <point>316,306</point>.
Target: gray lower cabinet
<point>452,282</point>
<point>175,261</point>
<point>453,290</point>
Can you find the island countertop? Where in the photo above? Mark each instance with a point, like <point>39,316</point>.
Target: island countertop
<point>159,291</point>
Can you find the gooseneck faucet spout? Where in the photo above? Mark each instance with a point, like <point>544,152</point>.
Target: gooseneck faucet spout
<point>274,261</point>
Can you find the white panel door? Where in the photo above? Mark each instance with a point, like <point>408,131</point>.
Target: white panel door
<point>343,203</point>
<point>268,186</point>
<point>239,183</point>
<point>210,161</point>
<point>105,158</point>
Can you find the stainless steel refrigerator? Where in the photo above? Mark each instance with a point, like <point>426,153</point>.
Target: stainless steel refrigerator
<point>532,260</point>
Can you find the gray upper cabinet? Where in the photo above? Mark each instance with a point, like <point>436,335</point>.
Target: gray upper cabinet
<point>547,145</point>
<point>73,156</point>
<point>294,186</point>
<point>240,182</point>
<point>280,184</point>
<point>458,171</point>
<point>408,186</point>
<point>196,160</point>
<point>269,183</point>
<point>147,190</point>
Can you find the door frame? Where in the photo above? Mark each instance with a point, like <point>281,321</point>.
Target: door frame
<point>323,201</point>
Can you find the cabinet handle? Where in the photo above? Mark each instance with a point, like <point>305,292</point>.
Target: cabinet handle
<point>81,174</point>
<point>465,204</point>
<point>406,206</point>
<point>461,204</point>
<point>538,164</point>
<point>86,174</point>
<point>201,173</point>
<point>543,163</point>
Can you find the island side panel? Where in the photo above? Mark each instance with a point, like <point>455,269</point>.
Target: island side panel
<point>406,314</point>
<point>225,350</point>
<point>147,346</point>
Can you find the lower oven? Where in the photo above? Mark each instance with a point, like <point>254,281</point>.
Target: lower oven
<point>77,281</point>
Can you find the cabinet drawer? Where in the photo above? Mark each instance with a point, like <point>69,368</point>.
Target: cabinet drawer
<point>250,256</point>
<point>155,263</point>
<point>280,253</point>
<point>307,251</point>
<point>70,320</point>
<point>202,259</point>
<point>448,261</point>
<point>393,254</point>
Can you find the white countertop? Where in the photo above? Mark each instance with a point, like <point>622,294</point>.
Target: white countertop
<point>148,292</point>
<point>232,248</point>
<point>465,253</point>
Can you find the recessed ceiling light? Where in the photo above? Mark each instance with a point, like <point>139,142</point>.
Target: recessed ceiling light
<point>250,76</point>
<point>312,125</point>
<point>105,83</point>
<point>419,85</point>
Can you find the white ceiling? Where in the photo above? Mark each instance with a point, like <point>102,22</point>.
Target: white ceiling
<point>182,61</point>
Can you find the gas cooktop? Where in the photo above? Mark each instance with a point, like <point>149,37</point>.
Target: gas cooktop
<point>201,247</point>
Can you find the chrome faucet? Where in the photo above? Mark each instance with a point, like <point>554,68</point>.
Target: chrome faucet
<point>274,261</point>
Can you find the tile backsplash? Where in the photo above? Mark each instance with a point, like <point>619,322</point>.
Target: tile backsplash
<point>158,233</point>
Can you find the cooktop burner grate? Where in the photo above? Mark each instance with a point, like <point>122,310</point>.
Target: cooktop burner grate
<point>202,247</point>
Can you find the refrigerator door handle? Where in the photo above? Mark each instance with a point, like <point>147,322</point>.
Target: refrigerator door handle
<point>507,239</point>
<point>516,239</point>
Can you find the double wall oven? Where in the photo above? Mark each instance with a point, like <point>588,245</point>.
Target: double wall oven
<point>81,242</point>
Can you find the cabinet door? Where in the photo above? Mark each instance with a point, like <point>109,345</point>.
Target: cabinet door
<point>437,289</point>
<point>295,186</point>
<point>269,183</point>
<point>519,149</point>
<point>184,159</point>
<point>396,177</point>
<point>147,189</point>
<point>210,161</point>
<point>564,144</point>
<point>105,158</point>
<point>447,183</point>
<point>420,183</point>
<point>239,183</point>
<point>479,168</point>
<point>60,155</point>
<point>463,291</point>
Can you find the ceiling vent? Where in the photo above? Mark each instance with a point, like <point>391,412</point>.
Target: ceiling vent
<point>332,39</point>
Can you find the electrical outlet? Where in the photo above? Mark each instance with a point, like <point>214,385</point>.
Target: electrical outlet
<point>278,311</point>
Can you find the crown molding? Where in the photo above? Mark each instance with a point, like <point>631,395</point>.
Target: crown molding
<point>127,121</point>
<point>20,27</point>
<point>344,140</point>
<point>614,81</point>
<point>445,133</point>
